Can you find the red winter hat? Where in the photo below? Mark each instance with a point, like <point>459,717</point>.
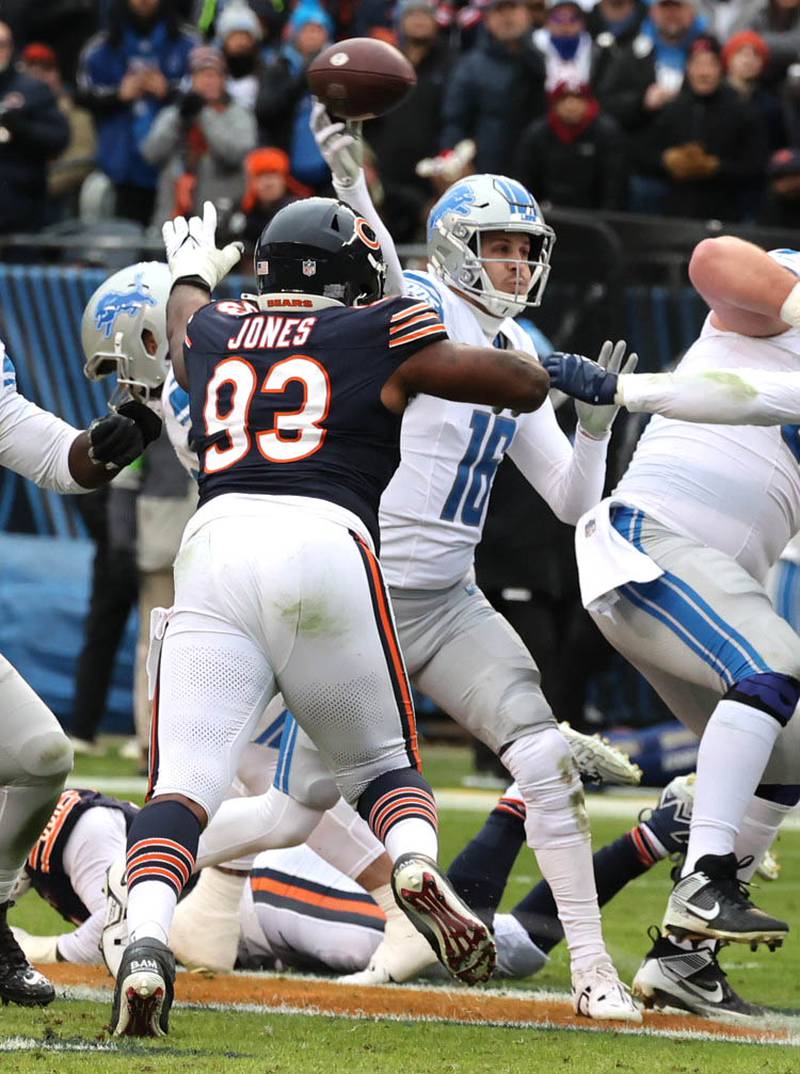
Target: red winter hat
<point>742,40</point>
<point>570,89</point>
<point>37,52</point>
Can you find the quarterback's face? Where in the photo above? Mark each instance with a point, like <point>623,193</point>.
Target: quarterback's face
<point>508,254</point>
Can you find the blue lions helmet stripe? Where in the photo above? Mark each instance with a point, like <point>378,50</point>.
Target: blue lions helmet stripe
<point>9,374</point>
<point>419,286</point>
<point>115,303</point>
<point>520,201</point>
<point>457,199</point>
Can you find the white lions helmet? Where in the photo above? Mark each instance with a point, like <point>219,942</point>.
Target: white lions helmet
<point>475,205</point>
<point>117,314</point>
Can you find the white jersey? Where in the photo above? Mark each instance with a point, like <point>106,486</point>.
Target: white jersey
<point>735,488</point>
<point>177,421</point>
<point>33,442</point>
<point>433,510</point>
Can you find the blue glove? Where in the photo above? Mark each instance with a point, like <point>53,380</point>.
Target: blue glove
<point>581,378</point>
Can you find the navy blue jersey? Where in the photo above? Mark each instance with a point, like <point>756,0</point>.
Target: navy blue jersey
<point>288,402</point>
<point>45,864</point>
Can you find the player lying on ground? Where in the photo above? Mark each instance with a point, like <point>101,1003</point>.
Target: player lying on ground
<point>35,754</point>
<point>488,258</point>
<point>294,910</point>
<point>672,567</point>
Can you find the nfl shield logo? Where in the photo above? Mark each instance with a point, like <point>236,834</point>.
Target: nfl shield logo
<point>309,268</point>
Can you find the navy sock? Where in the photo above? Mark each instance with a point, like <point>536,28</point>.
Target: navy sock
<point>480,872</point>
<point>162,844</point>
<point>396,796</point>
<point>614,866</point>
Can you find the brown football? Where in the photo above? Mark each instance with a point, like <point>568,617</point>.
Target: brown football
<point>361,78</point>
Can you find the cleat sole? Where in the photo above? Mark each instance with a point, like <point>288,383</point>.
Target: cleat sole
<point>462,942</point>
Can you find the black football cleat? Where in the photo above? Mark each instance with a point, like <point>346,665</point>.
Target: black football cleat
<point>712,902</point>
<point>688,981</point>
<point>19,982</point>
<point>144,990</point>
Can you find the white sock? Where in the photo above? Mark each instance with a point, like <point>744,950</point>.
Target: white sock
<point>413,835</point>
<point>244,826</point>
<point>757,833</point>
<point>557,828</point>
<point>151,905</point>
<point>733,754</point>
<point>8,878</point>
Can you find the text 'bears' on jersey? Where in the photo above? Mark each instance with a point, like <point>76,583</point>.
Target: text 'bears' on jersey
<point>289,402</point>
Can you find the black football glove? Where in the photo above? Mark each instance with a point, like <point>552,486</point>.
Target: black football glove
<point>119,438</point>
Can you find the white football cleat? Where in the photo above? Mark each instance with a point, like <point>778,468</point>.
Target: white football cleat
<point>205,929</point>
<point>598,993</point>
<point>114,938</point>
<point>598,761</point>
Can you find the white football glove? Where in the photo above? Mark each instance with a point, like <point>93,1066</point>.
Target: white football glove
<point>39,949</point>
<point>597,420</point>
<point>341,145</point>
<point>192,248</point>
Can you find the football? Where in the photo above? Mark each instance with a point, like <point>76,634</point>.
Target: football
<point>361,78</point>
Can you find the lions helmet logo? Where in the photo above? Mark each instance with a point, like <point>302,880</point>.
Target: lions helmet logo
<point>115,303</point>
<point>458,199</point>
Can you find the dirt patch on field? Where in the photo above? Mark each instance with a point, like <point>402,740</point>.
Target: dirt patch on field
<point>441,1004</point>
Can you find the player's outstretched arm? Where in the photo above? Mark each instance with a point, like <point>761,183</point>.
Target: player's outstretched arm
<point>342,146</point>
<point>709,396</point>
<point>748,291</point>
<point>469,375</point>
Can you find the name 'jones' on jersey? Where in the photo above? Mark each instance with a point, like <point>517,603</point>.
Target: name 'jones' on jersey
<point>288,403</point>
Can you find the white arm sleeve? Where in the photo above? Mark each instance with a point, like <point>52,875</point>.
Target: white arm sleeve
<point>357,197</point>
<point>569,479</point>
<point>345,841</point>
<point>715,396</point>
<point>34,442</point>
<point>96,841</point>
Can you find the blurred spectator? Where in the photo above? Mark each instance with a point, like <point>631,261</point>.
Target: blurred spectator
<point>565,43</point>
<point>33,131</point>
<point>266,191</point>
<point>110,517</point>
<point>617,20</point>
<point>707,144</point>
<point>575,156</point>
<point>411,132</point>
<point>239,36</point>
<point>648,73</point>
<point>65,25</point>
<point>745,57</point>
<point>779,25</point>
<point>283,107</point>
<point>67,172</point>
<point>126,75</point>
<point>447,167</point>
<point>200,142</point>
<point>496,88</point>
<point>782,202</point>
<point>723,18</point>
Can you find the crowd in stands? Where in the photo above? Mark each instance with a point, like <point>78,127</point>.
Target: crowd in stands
<point>670,107</point>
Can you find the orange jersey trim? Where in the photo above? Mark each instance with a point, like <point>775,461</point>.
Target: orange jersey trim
<point>313,898</point>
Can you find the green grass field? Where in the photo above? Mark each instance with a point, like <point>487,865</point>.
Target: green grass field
<point>271,1043</point>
